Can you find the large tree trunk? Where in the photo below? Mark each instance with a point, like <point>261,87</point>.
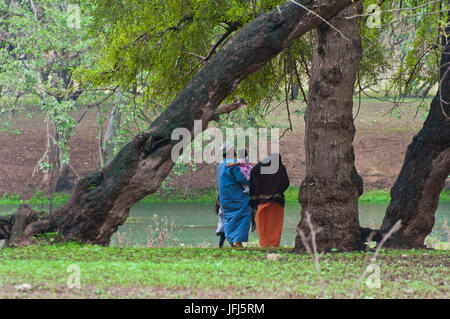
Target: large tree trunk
<point>329,192</point>
<point>100,203</point>
<point>415,194</point>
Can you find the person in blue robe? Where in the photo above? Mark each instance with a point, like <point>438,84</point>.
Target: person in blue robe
<point>233,199</point>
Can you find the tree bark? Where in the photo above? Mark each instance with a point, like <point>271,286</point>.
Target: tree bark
<point>63,182</point>
<point>100,202</point>
<point>329,193</point>
<point>415,194</point>
<point>113,127</point>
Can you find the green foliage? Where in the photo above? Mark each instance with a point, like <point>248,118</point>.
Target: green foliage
<point>414,37</point>
<point>49,237</point>
<point>39,50</point>
<point>111,271</point>
<point>249,117</point>
<point>162,41</point>
<point>181,168</point>
<point>59,114</point>
<point>154,48</point>
<point>151,49</point>
<point>445,196</point>
<point>375,62</point>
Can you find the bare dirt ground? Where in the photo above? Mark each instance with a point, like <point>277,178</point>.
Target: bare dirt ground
<point>380,144</point>
<point>62,292</point>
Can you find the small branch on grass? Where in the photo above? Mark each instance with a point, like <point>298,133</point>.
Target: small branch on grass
<point>372,261</point>
<point>315,256</point>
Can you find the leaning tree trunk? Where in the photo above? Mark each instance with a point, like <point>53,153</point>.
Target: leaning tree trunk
<point>415,194</point>
<point>329,193</point>
<point>100,202</point>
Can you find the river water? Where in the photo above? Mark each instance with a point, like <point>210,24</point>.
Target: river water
<point>194,224</point>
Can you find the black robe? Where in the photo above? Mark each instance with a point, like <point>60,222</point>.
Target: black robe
<point>266,188</point>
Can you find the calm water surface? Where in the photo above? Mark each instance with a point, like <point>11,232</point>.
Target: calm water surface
<point>195,223</point>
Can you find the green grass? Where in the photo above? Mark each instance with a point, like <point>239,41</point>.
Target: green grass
<point>376,196</point>
<point>205,196</point>
<point>291,196</point>
<point>384,196</point>
<point>445,196</point>
<point>10,199</point>
<point>38,198</point>
<point>206,272</point>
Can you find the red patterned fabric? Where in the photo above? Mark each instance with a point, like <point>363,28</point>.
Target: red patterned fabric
<point>245,168</point>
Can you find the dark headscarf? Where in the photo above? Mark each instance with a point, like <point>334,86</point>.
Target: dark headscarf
<point>266,188</point>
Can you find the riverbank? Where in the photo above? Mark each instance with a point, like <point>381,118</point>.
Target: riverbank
<point>380,144</point>
<point>205,196</point>
<point>112,272</point>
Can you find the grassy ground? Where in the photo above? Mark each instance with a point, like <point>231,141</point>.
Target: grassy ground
<point>112,272</point>
<point>172,196</point>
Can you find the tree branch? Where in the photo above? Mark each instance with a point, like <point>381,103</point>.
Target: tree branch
<point>228,108</point>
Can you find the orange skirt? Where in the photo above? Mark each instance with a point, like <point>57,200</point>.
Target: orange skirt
<point>269,224</point>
